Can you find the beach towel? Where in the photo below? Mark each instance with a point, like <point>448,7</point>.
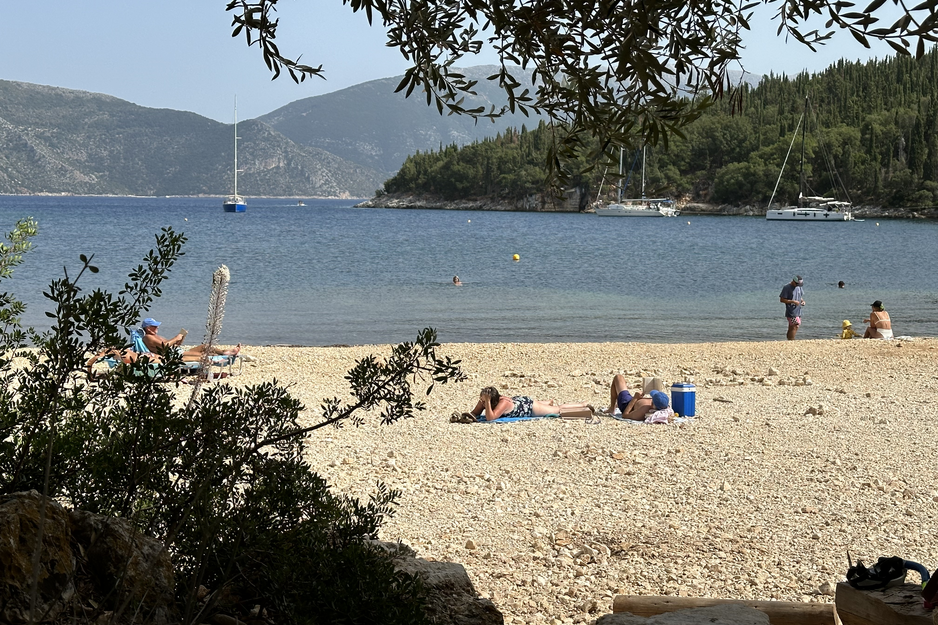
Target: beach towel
<point>513,419</point>
<point>617,415</point>
<point>481,419</point>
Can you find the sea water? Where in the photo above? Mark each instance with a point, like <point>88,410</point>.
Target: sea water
<point>328,273</point>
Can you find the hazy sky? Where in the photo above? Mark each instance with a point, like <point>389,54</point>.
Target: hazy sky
<point>179,54</point>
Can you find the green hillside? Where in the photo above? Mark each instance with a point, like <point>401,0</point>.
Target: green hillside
<point>873,126</point>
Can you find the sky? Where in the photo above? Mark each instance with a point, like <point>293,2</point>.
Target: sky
<point>179,54</point>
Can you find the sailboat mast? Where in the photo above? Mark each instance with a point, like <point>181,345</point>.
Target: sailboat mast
<point>619,191</point>
<point>803,129</point>
<point>643,172</point>
<point>236,146</point>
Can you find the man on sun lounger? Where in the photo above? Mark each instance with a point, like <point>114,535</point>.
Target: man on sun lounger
<point>157,344</point>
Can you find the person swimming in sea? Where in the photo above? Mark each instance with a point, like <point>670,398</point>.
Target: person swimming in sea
<point>457,281</point>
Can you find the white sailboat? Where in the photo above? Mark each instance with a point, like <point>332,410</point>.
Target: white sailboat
<point>234,203</point>
<point>810,207</point>
<point>637,207</point>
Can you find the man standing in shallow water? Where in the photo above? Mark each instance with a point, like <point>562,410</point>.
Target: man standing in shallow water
<point>793,297</point>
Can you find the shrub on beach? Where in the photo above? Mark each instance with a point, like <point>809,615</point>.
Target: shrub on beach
<point>220,480</point>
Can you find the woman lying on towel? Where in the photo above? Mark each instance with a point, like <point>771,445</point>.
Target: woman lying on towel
<point>496,406</point>
<point>126,356</point>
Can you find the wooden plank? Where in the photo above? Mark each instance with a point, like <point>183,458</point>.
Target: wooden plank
<point>779,612</point>
<point>899,605</point>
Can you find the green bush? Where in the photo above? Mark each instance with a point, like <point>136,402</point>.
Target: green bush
<point>220,479</point>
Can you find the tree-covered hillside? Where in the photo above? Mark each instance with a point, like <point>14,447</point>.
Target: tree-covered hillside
<point>873,125</point>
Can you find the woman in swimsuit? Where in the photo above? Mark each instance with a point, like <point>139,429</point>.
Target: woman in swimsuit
<point>496,405</point>
<point>880,324</point>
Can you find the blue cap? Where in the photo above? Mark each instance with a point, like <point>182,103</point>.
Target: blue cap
<point>659,400</point>
<point>150,321</point>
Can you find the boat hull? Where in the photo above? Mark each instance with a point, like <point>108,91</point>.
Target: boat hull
<point>234,207</point>
<point>647,208</point>
<point>639,212</point>
<point>803,214</point>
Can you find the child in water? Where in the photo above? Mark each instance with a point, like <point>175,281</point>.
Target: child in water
<point>848,332</point>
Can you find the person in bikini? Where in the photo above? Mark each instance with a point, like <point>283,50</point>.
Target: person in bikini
<point>126,356</point>
<point>157,344</point>
<point>880,324</point>
<point>496,406</point>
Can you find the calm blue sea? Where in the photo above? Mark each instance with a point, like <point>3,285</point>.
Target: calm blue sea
<point>328,273</point>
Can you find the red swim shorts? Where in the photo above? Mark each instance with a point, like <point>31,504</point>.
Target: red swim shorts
<point>794,321</point>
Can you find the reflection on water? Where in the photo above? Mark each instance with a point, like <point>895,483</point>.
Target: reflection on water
<point>327,273</point>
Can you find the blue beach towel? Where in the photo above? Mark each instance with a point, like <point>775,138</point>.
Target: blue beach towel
<point>481,418</point>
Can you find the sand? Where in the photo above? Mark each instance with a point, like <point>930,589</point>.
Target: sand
<point>753,499</point>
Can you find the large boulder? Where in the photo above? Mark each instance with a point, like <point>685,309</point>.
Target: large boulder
<point>124,570</point>
<point>127,567</point>
<point>20,519</point>
<point>453,599</point>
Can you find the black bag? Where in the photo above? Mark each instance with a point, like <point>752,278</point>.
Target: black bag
<point>885,573</point>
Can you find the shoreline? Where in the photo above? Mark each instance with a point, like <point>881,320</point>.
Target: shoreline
<point>753,499</point>
<point>407,201</point>
<point>533,204</point>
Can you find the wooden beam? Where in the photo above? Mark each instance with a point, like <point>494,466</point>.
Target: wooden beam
<point>779,612</point>
<point>899,605</point>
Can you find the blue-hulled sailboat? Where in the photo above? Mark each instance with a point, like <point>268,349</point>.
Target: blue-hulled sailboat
<point>234,203</point>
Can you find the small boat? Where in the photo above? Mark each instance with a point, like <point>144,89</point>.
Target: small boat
<point>301,203</point>
<point>636,207</point>
<point>810,207</point>
<point>234,203</point>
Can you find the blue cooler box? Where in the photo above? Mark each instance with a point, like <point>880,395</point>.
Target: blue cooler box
<point>683,398</point>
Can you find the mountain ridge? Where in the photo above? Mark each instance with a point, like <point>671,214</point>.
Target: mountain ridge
<point>55,140</point>
<point>342,144</point>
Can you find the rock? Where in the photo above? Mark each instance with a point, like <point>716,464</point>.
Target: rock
<point>589,606</point>
<point>126,566</point>
<point>726,614</point>
<point>452,599</point>
<point>19,527</point>
<point>470,545</point>
<point>826,589</point>
<point>773,371</point>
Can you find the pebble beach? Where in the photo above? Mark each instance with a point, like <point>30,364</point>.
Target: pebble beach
<point>800,451</point>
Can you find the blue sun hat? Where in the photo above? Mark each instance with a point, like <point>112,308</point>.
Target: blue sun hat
<point>659,400</point>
